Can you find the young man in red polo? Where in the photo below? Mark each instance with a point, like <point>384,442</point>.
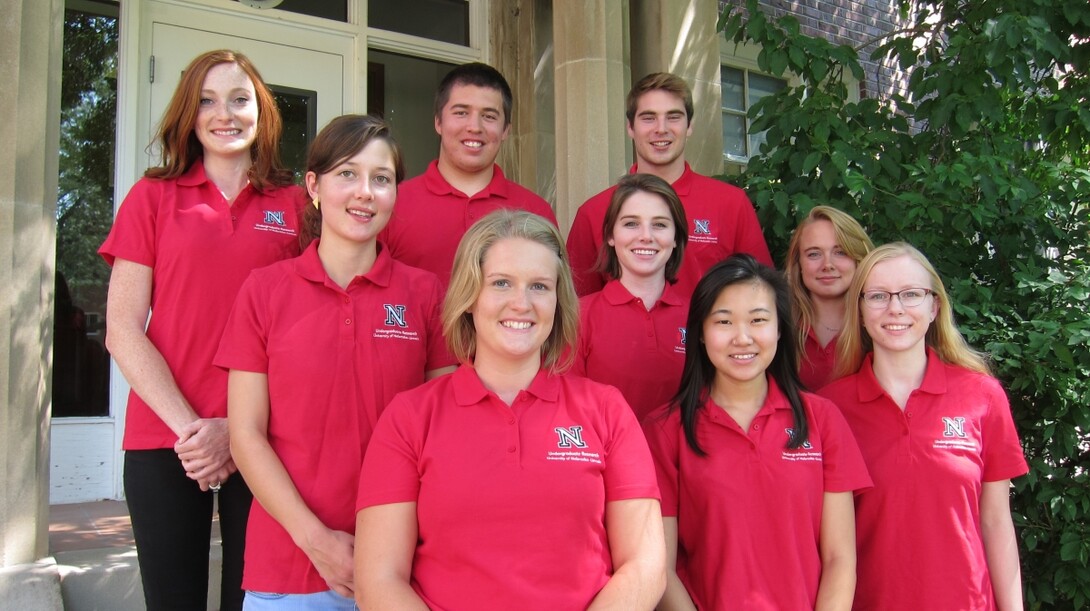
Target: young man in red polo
<point>721,218</point>
<point>472,118</point>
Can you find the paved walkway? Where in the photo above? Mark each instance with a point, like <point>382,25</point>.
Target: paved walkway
<point>93,546</point>
<point>81,526</point>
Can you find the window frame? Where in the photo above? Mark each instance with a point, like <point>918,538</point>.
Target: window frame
<point>744,57</point>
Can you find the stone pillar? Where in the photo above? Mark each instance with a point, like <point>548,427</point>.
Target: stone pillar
<point>592,79</point>
<point>521,48</point>
<point>30,68</point>
<point>679,36</point>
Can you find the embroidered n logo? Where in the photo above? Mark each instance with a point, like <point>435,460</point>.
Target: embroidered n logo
<point>571,436</point>
<point>395,315</point>
<point>953,427</point>
<point>274,217</point>
<point>702,227</point>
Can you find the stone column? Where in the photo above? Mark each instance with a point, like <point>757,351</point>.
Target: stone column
<point>679,36</point>
<point>592,79</point>
<point>30,68</point>
<point>521,48</point>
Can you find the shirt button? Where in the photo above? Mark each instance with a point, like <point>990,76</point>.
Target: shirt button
<point>909,414</point>
<point>510,421</point>
<point>347,300</point>
<point>348,321</point>
<point>511,449</point>
<point>756,427</point>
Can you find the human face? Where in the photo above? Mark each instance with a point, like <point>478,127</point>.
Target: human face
<point>227,116</point>
<point>644,235</point>
<point>826,269</point>
<point>514,313</point>
<point>895,328</point>
<point>357,196</point>
<point>471,128</point>
<point>741,333</point>
<point>659,131</point>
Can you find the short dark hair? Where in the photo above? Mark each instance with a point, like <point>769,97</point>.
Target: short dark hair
<point>627,186</point>
<point>699,372</point>
<point>659,81</point>
<point>478,75</point>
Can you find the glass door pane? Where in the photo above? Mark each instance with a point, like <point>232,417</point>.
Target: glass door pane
<point>401,89</point>
<point>299,114</point>
<point>85,204</point>
<point>442,20</point>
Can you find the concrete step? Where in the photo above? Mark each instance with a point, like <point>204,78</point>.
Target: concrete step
<point>93,551</point>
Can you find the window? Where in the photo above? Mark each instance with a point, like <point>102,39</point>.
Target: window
<point>85,205</point>
<point>442,20</point>
<point>742,89</point>
<point>411,45</point>
<point>337,10</point>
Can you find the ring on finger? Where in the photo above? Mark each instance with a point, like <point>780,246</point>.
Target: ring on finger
<point>214,487</point>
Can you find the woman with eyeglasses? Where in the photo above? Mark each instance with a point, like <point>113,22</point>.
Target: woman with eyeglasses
<point>935,531</point>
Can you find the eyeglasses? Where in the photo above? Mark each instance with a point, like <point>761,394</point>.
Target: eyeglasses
<point>909,298</point>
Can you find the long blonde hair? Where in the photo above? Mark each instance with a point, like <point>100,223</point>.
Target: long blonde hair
<point>942,336</point>
<point>850,236</point>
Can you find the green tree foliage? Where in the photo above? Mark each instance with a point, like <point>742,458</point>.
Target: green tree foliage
<point>983,166</point>
<point>86,180</point>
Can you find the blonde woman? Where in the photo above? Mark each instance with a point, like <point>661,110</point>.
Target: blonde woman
<point>505,485</point>
<point>935,531</point>
<point>821,260</point>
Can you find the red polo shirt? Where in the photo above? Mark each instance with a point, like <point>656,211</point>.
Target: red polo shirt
<point>432,216</point>
<point>510,499</point>
<point>721,222</point>
<point>623,344</point>
<point>919,536</point>
<point>200,250</point>
<point>749,513</point>
<point>334,358</point>
<point>817,363</point>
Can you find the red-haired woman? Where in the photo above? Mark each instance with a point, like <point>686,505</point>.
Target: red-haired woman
<point>186,236</point>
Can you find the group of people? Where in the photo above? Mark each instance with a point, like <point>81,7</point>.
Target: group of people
<point>412,394</point>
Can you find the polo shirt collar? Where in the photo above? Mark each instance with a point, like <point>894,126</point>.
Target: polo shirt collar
<point>934,378</point>
<point>309,266</point>
<point>683,184</point>
<point>194,176</point>
<point>774,401</point>
<point>438,185</point>
<point>469,390</point>
<point>671,296</point>
<point>616,294</point>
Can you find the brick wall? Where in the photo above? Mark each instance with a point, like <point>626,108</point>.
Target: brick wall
<point>857,23</point>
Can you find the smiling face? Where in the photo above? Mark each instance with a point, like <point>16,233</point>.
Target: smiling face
<point>471,127</point>
<point>826,269</point>
<point>357,196</point>
<point>895,328</point>
<point>659,130</point>
<point>514,312</point>
<point>227,117</point>
<point>741,333</point>
<point>643,236</point>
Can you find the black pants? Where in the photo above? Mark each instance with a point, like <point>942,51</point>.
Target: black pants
<point>172,525</point>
